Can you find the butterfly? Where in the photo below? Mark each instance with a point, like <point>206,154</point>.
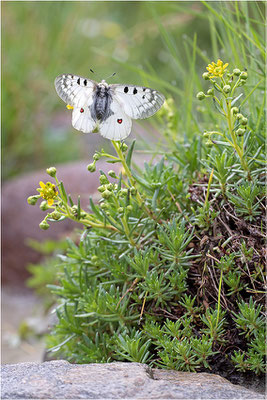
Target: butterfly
<point>107,108</point>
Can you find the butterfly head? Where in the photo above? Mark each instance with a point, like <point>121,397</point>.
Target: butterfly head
<point>103,84</point>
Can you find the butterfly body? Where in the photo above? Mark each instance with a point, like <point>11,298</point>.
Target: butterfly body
<point>110,108</point>
<point>100,109</point>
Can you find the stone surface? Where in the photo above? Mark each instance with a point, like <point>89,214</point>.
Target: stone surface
<point>62,380</point>
<point>22,307</point>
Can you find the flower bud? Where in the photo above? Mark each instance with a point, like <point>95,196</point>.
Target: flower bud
<point>112,174</point>
<point>129,208</point>
<point>206,134</point>
<point>74,210</point>
<point>234,110</point>
<point>104,205</point>
<point>244,75</point>
<point>133,190</point>
<point>240,131</point>
<point>102,188</point>
<point>210,92</point>
<point>110,186</point>
<point>244,121</point>
<point>236,71</point>
<point>51,171</point>
<point>96,157</point>
<point>94,259</point>
<point>227,88</point>
<point>120,210</point>
<point>55,215</point>
<point>103,179</point>
<point>239,116</point>
<point>124,147</point>
<point>123,192</point>
<point>106,194</point>
<point>32,200</point>
<point>44,225</point>
<point>201,96</point>
<point>91,167</point>
<point>206,76</point>
<point>208,143</point>
<point>44,206</point>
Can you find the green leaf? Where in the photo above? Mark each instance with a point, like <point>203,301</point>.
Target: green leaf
<point>130,153</point>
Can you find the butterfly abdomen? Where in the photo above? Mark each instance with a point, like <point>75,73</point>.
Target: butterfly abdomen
<point>100,109</point>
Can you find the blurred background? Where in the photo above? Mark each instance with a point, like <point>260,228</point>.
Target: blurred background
<point>44,39</point>
<point>163,45</point>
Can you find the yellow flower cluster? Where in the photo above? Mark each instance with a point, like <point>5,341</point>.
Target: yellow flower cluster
<point>217,69</point>
<point>48,192</point>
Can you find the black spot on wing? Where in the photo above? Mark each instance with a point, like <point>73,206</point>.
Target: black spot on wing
<point>126,89</point>
<point>85,82</point>
<point>78,81</point>
<point>134,91</point>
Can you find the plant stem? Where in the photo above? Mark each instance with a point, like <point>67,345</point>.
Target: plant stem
<point>208,191</point>
<point>219,299</point>
<point>87,221</point>
<point>239,151</point>
<point>131,179</point>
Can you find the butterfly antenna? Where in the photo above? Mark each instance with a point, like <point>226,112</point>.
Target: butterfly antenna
<point>93,72</point>
<point>110,76</point>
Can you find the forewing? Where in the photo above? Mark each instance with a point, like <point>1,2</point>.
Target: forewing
<point>75,90</point>
<point>138,102</point>
<point>118,125</point>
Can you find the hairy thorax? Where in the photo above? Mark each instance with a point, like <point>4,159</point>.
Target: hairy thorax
<point>101,104</point>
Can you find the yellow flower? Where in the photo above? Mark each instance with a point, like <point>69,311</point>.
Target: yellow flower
<point>48,192</point>
<point>217,69</point>
<point>69,107</point>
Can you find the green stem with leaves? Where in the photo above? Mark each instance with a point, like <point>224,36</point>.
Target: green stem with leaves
<point>239,150</point>
<point>88,221</point>
<point>131,178</point>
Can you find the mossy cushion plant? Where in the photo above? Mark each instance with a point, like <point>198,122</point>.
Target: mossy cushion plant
<point>169,268</point>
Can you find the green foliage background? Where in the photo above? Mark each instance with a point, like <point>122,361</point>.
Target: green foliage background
<point>177,279</point>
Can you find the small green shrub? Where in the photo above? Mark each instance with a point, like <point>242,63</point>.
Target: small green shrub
<point>169,269</point>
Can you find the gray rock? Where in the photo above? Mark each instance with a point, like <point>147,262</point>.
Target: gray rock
<point>62,380</point>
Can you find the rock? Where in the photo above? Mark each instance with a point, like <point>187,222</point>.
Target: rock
<point>62,380</point>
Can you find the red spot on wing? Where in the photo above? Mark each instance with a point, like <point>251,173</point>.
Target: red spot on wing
<point>81,110</point>
<point>119,121</point>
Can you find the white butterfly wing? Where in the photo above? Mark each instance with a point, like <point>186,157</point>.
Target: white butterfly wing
<point>118,125</point>
<point>138,102</point>
<point>82,120</point>
<point>77,92</point>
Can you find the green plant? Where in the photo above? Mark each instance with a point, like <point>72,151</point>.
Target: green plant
<point>249,319</point>
<point>246,201</point>
<point>169,267</point>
